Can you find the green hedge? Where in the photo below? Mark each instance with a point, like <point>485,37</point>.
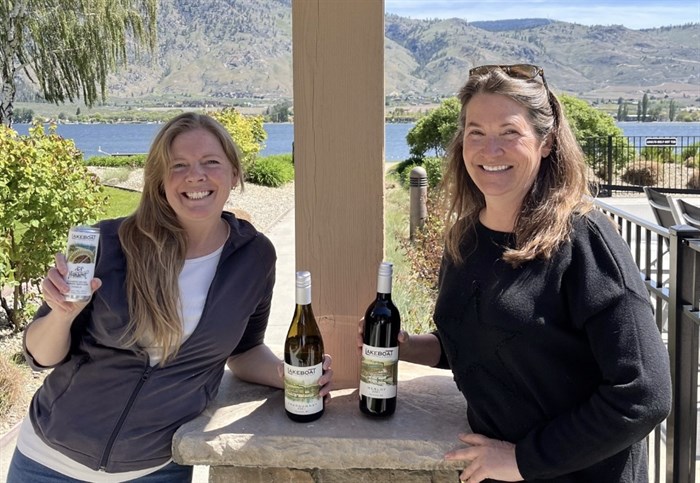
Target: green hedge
<point>433,167</point>
<point>273,171</point>
<point>135,161</point>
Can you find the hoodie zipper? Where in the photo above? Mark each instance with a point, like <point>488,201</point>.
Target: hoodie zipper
<point>146,374</point>
<point>110,442</point>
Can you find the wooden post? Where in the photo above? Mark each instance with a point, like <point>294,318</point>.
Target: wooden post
<point>338,57</point>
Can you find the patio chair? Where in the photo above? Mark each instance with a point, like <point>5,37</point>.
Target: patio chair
<point>661,206</point>
<point>686,213</point>
<point>664,209</point>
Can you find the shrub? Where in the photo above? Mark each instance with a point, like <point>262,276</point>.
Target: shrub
<point>403,170</point>
<point>433,168</point>
<point>694,182</point>
<point>44,190</point>
<point>601,172</point>
<point>425,251</point>
<point>247,131</point>
<point>663,154</point>
<point>135,161</point>
<point>273,171</point>
<point>691,151</point>
<point>10,385</point>
<point>643,174</point>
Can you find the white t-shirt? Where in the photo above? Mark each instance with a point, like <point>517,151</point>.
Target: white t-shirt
<point>194,281</point>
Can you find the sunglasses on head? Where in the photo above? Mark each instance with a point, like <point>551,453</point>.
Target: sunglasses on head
<point>516,71</point>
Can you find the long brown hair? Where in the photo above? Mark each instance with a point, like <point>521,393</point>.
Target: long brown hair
<point>155,243</point>
<point>560,187</point>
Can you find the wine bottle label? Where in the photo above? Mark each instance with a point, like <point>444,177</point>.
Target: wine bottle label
<point>379,371</point>
<point>301,389</point>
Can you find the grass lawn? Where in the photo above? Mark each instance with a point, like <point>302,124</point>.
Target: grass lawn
<point>121,202</point>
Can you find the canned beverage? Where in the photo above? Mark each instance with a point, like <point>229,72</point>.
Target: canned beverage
<point>81,254</point>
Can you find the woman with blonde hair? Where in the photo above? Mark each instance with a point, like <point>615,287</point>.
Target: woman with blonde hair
<point>541,313</point>
<point>181,289</point>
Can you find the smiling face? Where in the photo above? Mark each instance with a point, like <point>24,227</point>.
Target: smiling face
<point>501,150</point>
<point>199,178</point>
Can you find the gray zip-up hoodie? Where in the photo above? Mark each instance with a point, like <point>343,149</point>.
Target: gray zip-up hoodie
<point>104,406</point>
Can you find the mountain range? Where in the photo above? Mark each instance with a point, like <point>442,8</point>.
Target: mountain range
<point>242,49</point>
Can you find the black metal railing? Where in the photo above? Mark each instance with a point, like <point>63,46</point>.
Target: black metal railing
<point>669,263</point>
<point>627,163</point>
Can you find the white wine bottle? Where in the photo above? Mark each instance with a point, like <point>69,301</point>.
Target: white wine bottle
<point>303,358</point>
<point>380,350</point>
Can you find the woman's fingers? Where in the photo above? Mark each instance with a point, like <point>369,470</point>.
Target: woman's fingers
<point>326,379</point>
<point>360,334</point>
<point>489,458</point>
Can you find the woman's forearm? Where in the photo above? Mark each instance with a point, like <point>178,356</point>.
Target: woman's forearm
<point>421,349</point>
<point>48,338</point>
<point>258,365</point>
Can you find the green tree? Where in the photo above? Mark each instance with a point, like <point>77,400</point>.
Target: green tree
<point>587,121</point>
<point>645,106</point>
<point>280,112</point>
<point>672,111</point>
<point>434,130</point>
<point>24,115</point>
<point>247,131</point>
<point>592,128</point>
<point>655,112</point>
<point>68,48</point>
<point>44,190</point>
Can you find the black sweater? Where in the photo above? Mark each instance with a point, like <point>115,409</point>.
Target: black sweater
<point>561,357</point>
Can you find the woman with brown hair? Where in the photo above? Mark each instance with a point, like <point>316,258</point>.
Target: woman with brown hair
<point>541,313</point>
<point>181,289</point>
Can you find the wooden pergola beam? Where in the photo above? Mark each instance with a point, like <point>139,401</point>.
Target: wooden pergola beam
<point>338,65</point>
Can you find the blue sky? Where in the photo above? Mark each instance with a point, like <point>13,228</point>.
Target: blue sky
<point>634,14</point>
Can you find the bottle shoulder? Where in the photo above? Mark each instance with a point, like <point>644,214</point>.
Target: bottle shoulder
<point>382,308</point>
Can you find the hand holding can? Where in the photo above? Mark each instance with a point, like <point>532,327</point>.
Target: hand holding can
<point>81,255</point>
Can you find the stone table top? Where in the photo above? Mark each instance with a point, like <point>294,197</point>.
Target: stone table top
<point>246,426</point>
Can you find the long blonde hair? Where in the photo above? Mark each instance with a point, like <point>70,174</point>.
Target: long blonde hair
<point>155,243</point>
<point>560,187</point>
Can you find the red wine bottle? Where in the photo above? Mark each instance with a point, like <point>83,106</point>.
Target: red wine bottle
<point>380,350</point>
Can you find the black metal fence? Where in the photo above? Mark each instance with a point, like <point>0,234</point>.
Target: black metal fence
<point>669,262</point>
<point>627,163</point>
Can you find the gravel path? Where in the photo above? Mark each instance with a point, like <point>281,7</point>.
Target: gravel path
<point>261,205</point>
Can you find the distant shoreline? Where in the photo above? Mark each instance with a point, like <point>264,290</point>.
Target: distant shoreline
<point>386,121</point>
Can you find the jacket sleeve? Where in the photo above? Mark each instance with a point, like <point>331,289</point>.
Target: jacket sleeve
<point>443,363</point>
<point>254,334</point>
<point>610,303</point>
<point>78,323</point>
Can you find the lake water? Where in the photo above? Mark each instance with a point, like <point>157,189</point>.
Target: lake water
<point>96,139</point>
